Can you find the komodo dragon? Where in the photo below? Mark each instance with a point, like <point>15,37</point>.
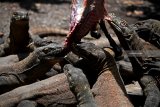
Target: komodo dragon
<point>31,68</point>
<point>129,36</point>
<point>79,86</point>
<point>108,90</point>
<point>20,36</point>
<point>99,65</point>
<point>149,30</point>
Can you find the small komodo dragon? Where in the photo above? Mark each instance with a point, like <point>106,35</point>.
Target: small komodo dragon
<point>20,38</point>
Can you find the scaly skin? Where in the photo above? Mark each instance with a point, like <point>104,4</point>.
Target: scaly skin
<point>108,89</point>
<point>133,42</point>
<point>151,91</point>
<point>79,86</point>
<point>116,48</point>
<point>32,67</point>
<point>152,29</point>
<point>130,40</point>
<point>56,86</point>
<point>100,68</point>
<point>19,37</point>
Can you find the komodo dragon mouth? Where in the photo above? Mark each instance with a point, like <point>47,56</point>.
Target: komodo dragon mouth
<point>51,52</point>
<point>118,23</point>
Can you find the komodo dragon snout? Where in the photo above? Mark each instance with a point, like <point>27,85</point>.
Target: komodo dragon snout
<point>52,51</point>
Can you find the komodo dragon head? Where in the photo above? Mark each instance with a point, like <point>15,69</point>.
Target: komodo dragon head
<point>51,52</point>
<point>118,24</point>
<point>20,15</point>
<point>99,58</point>
<point>19,20</point>
<point>93,53</point>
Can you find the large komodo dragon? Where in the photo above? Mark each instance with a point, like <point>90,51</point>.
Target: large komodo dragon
<point>31,68</point>
<point>108,88</point>
<point>130,40</point>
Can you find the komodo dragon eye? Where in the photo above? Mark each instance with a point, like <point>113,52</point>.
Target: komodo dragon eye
<point>15,13</point>
<point>46,50</point>
<point>123,23</point>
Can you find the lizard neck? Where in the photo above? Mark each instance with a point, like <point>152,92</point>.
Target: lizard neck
<point>19,36</point>
<point>26,63</point>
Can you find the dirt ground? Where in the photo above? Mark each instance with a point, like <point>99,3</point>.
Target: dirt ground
<point>56,13</point>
